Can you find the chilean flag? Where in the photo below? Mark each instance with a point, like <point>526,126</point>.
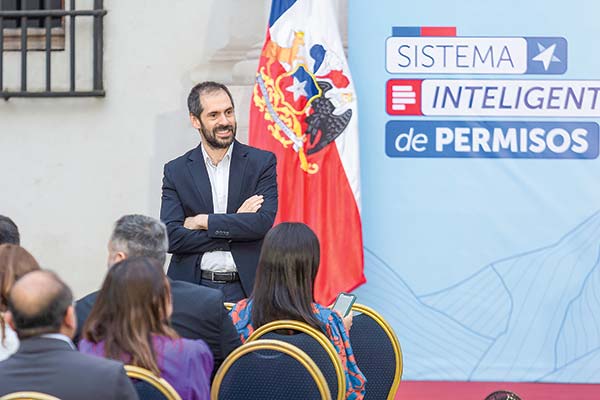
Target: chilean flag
<point>303,109</point>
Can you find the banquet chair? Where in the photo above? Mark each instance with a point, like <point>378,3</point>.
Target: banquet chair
<point>269,369</point>
<point>28,396</point>
<point>377,352</point>
<point>314,343</point>
<point>150,386</point>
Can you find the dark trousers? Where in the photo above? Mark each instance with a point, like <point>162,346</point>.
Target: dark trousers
<point>232,291</point>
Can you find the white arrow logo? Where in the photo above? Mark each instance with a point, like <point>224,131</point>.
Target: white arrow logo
<point>546,55</point>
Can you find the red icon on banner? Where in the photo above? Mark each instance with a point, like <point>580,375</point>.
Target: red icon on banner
<point>403,97</point>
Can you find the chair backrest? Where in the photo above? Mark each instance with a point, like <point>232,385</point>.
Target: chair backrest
<point>269,369</point>
<point>150,386</point>
<point>377,352</point>
<point>28,396</point>
<point>314,343</point>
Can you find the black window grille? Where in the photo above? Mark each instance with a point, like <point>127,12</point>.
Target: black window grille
<point>32,22</point>
<point>47,15</point>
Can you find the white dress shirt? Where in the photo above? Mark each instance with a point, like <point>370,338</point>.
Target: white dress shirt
<point>218,261</point>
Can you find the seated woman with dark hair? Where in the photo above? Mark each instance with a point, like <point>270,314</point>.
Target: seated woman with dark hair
<point>283,289</point>
<point>129,322</point>
<point>15,262</point>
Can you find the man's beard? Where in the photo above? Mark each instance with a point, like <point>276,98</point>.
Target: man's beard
<point>211,138</point>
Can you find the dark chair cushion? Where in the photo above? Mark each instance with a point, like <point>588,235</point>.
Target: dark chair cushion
<point>315,351</point>
<point>267,374</point>
<point>374,355</point>
<point>146,391</point>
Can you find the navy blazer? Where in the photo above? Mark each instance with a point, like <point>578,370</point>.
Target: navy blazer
<point>51,366</point>
<point>186,192</point>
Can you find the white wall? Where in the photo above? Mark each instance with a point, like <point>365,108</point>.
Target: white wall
<point>70,167</point>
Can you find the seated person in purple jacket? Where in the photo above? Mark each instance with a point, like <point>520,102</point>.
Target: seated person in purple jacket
<point>129,323</point>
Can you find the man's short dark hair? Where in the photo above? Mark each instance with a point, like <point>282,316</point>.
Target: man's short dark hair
<point>39,307</point>
<point>141,236</point>
<point>9,233</point>
<point>194,104</point>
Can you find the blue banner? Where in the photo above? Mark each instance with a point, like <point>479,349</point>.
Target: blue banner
<point>481,184</point>
<point>491,139</point>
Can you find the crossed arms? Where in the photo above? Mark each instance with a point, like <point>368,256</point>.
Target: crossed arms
<point>209,232</point>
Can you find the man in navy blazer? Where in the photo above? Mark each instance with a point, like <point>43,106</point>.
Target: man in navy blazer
<point>218,200</point>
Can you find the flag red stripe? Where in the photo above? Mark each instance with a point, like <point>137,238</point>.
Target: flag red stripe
<point>321,199</point>
<point>325,202</point>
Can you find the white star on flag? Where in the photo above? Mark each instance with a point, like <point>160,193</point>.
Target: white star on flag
<point>297,89</point>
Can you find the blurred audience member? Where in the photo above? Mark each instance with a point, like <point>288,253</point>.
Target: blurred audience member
<point>42,314</point>
<point>283,289</point>
<point>9,233</point>
<point>15,262</point>
<point>129,322</point>
<point>198,311</point>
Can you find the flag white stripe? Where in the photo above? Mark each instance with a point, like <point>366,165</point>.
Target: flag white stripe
<point>319,23</point>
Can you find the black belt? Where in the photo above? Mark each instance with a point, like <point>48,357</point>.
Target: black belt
<point>220,276</point>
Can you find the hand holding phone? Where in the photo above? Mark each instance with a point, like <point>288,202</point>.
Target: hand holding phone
<point>343,303</point>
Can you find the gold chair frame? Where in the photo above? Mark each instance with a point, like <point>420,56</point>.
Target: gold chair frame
<point>28,396</point>
<point>277,345</point>
<point>361,308</point>
<point>315,334</point>
<point>159,383</point>
<point>228,305</point>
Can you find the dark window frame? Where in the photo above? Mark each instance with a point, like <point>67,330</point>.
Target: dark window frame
<point>48,16</point>
<point>36,27</point>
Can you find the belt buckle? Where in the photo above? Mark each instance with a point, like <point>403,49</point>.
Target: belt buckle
<point>220,277</point>
<point>224,280</point>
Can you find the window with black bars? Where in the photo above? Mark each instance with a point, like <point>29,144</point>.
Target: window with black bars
<point>32,22</point>
<point>53,27</point>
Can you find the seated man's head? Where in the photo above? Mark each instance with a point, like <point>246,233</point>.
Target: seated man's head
<point>138,236</point>
<point>9,233</point>
<point>40,302</point>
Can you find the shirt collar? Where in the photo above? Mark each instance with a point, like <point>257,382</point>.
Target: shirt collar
<point>207,159</point>
<point>59,336</point>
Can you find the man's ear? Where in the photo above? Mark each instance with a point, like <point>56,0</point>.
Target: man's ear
<point>118,257</point>
<point>195,121</point>
<point>8,318</point>
<point>70,320</point>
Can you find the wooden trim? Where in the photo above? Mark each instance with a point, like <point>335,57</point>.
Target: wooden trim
<point>36,39</point>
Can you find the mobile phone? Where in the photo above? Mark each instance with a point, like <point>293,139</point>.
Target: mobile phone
<point>343,303</point>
